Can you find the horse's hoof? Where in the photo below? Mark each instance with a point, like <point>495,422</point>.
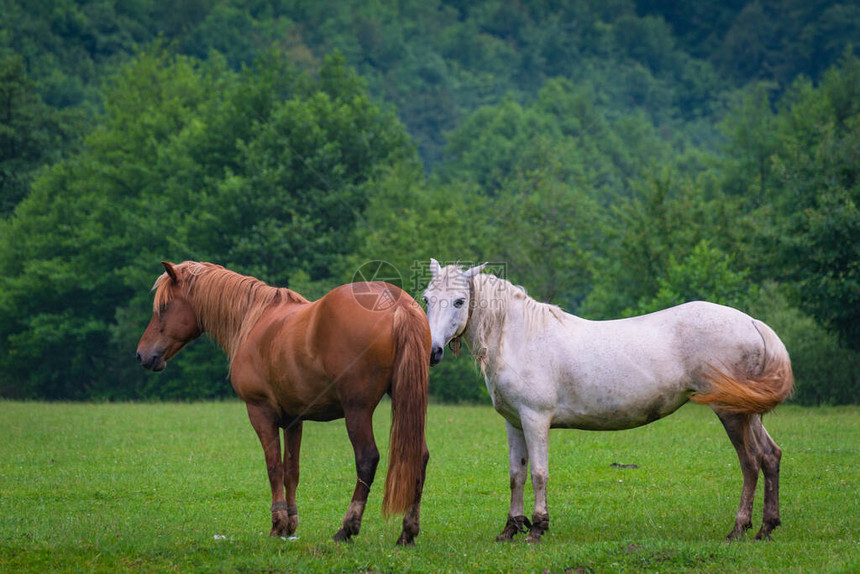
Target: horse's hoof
<point>513,526</point>
<point>765,532</point>
<point>540,524</point>
<point>738,532</point>
<point>405,540</point>
<point>341,536</point>
<point>767,527</point>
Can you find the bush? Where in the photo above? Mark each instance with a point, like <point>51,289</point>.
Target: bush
<point>458,380</point>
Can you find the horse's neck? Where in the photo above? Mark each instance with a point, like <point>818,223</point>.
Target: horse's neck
<point>230,308</point>
<point>487,328</point>
<point>502,325</point>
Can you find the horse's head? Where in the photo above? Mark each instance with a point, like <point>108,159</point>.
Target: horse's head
<point>449,302</point>
<point>173,325</point>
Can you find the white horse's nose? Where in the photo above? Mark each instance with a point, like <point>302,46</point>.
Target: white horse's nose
<point>436,354</point>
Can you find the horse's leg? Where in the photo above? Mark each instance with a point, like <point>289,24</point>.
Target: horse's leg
<point>265,422</point>
<point>411,521</point>
<point>359,426</point>
<point>292,446</point>
<point>770,457</point>
<point>743,437</point>
<point>519,463</point>
<point>536,431</point>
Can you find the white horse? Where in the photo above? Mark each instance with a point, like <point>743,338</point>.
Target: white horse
<point>547,369</point>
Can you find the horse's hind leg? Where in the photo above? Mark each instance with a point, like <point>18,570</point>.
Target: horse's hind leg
<point>519,463</point>
<point>292,446</point>
<point>359,426</point>
<point>741,431</point>
<point>770,458</point>
<point>265,422</point>
<point>411,521</point>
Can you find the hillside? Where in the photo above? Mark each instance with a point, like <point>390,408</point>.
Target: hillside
<point>614,157</point>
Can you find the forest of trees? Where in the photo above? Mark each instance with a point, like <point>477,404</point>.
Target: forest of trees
<point>615,156</point>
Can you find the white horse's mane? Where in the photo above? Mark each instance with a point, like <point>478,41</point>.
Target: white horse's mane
<point>494,299</point>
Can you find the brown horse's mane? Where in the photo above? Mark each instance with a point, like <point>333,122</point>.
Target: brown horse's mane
<point>226,303</point>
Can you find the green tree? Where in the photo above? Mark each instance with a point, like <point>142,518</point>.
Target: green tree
<point>750,48</point>
<point>300,176</point>
<point>819,219</point>
<point>649,256</point>
<point>65,255</point>
<point>751,135</point>
<point>545,231</point>
<point>31,132</point>
<point>706,274</point>
<point>267,171</point>
<point>588,150</point>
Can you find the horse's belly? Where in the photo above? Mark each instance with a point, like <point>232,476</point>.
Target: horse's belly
<point>613,412</point>
<point>322,414</point>
<point>593,386</point>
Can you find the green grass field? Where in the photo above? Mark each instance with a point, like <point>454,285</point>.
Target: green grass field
<point>118,487</point>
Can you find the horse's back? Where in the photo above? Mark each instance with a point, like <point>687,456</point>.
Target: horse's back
<point>355,322</point>
<point>711,334</point>
<point>692,332</point>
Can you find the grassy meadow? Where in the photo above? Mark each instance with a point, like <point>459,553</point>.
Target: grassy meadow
<point>182,487</point>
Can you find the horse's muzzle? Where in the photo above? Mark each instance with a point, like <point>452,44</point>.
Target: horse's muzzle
<point>153,362</point>
<point>436,355</point>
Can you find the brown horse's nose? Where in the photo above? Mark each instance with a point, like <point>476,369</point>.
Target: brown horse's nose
<point>151,362</point>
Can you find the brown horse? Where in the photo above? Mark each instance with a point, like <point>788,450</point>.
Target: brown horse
<point>292,360</point>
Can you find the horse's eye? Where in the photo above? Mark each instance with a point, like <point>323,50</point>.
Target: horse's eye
<point>459,303</point>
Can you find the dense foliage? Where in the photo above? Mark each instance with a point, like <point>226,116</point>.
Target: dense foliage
<point>613,157</point>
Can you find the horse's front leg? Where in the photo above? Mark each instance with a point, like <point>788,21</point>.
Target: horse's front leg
<point>265,422</point>
<point>292,446</point>
<point>536,431</point>
<point>519,462</point>
<point>359,426</point>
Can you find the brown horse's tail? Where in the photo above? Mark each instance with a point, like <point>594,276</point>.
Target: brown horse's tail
<point>738,392</point>
<point>409,389</point>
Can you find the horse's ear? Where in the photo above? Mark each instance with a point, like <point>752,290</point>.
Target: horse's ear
<point>170,271</point>
<point>434,267</point>
<point>469,273</point>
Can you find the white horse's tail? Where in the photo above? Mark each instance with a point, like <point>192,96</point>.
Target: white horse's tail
<point>735,391</point>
